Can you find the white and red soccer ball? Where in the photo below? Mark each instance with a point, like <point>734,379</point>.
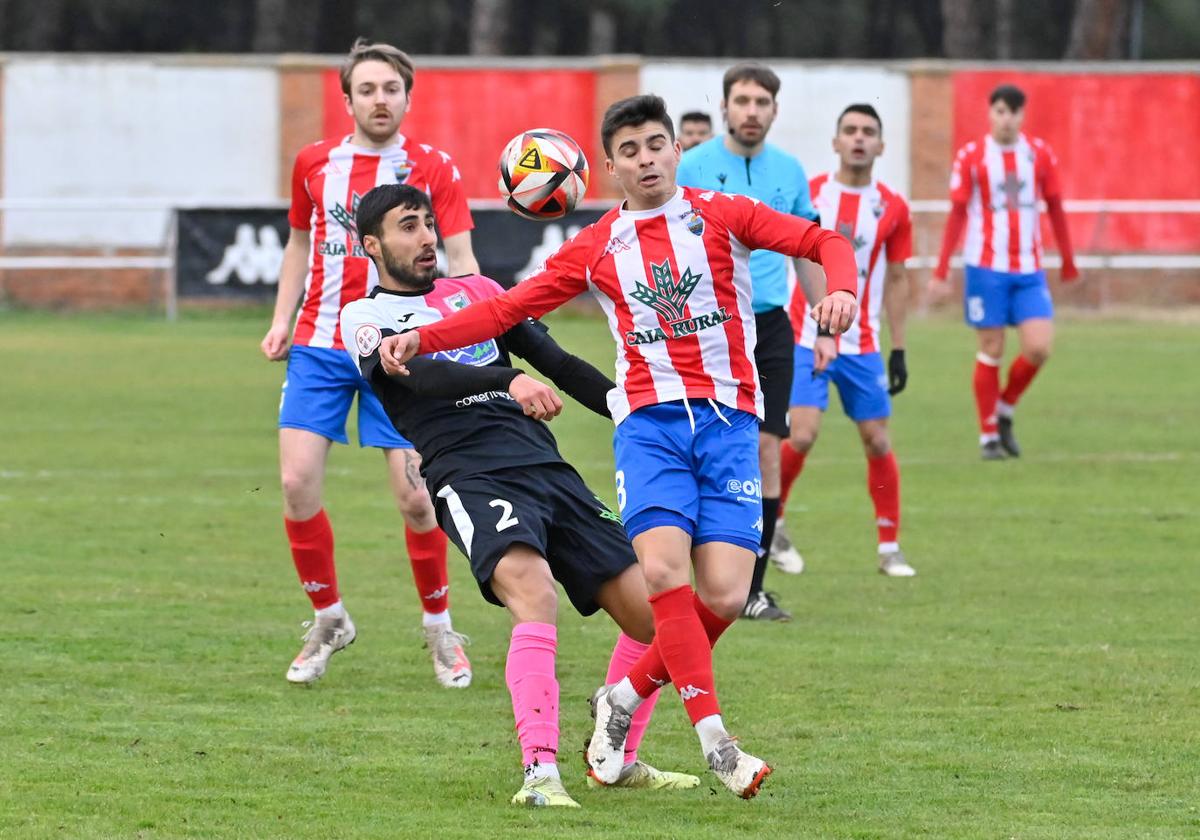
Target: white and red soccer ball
<point>543,174</point>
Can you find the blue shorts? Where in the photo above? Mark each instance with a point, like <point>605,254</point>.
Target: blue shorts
<point>320,386</point>
<point>861,382</point>
<point>698,473</point>
<point>1000,298</point>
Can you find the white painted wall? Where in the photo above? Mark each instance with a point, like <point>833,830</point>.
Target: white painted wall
<point>131,129</point>
<point>810,99</point>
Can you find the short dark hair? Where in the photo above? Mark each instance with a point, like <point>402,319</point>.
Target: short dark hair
<point>751,72</point>
<point>633,111</point>
<point>861,108</point>
<point>368,218</point>
<point>364,50</point>
<point>1010,95</point>
<point>695,116</point>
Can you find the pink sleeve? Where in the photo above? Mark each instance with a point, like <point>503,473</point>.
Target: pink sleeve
<point>300,213</point>
<point>564,277</point>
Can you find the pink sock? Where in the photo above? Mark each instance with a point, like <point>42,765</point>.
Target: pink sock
<point>529,673</point>
<point>624,655</point>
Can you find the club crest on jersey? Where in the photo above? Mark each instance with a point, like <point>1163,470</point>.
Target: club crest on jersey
<point>847,230</point>
<point>345,217</point>
<point>1011,188</point>
<point>367,339</point>
<point>458,300</point>
<point>695,222</point>
<point>668,298</point>
<point>402,169</point>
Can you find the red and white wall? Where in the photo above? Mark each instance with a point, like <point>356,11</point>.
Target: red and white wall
<point>95,149</point>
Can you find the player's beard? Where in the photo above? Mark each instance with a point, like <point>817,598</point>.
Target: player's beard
<point>408,275</point>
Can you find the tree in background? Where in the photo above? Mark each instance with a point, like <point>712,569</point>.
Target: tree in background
<point>866,29</point>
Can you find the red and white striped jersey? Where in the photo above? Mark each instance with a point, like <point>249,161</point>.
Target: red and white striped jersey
<point>1001,186</point>
<point>876,221</point>
<point>675,284</point>
<point>328,180</point>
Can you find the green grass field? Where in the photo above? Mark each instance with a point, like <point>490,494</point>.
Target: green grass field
<point>1039,679</point>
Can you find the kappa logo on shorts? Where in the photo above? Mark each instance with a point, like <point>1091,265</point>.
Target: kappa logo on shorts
<point>367,339</point>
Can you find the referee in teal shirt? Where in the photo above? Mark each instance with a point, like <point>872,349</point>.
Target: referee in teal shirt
<point>743,162</point>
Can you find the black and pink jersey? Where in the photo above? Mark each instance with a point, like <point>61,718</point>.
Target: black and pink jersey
<point>328,180</point>
<point>467,433</point>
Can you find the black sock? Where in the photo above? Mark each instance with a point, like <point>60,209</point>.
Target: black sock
<point>770,512</point>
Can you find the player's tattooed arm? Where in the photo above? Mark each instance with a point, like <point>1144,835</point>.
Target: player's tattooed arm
<point>575,377</point>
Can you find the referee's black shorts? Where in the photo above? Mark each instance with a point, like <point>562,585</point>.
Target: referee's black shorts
<point>774,355</point>
<point>546,506</point>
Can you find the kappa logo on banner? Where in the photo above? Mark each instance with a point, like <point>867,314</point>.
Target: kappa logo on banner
<point>253,257</point>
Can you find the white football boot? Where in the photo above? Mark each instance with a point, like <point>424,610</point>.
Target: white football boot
<point>783,551</point>
<point>326,636</point>
<point>450,663</point>
<point>739,771</point>
<point>893,564</point>
<point>606,750</point>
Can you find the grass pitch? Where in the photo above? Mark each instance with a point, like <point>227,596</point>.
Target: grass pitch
<point>1038,679</point>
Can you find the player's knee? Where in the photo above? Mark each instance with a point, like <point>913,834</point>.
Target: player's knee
<point>663,576</point>
<point>802,439</point>
<point>1037,354</point>
<point>301,489</point>
<point>415,505</point>
<point>877,444</point>
<point>729,603</point>
<point>527,590</point>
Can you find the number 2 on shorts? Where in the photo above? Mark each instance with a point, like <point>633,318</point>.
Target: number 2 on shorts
<point>507,520</point>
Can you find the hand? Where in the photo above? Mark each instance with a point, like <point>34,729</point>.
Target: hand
<point>536,399</point>
<point>824,351</point>
<point>897,372</point>
<point>938,291</point>
<point>1069,273</point>
<point>395,350</point>
<point>835,312</point>
<point>275,343</point>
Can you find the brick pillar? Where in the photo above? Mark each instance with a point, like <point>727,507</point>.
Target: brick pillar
<point>932,126</point>
<point>300,118</point>
<point>617,77</point>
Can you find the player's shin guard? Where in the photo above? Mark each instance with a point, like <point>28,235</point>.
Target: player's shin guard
<point>649,673</point>
<point>791,463</point>
<point>311,541</point>
<point>987,391</point>
<point>529,673</point>
<point>1020,374</point>
<point>427,554</point>
<point>625,656</point>
<point>682,641</point>
<point>883,482</point>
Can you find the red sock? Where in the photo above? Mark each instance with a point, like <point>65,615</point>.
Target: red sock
<point>312,552</point>
<point>1019,376</point>
<point>427,554</point>
<point>987,391</point>
<point>680,637</point>
<point>883,482</point>
<point>649,673</point>
<point>791,463</point>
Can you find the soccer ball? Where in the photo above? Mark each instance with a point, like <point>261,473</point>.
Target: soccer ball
<point>543,174</point>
